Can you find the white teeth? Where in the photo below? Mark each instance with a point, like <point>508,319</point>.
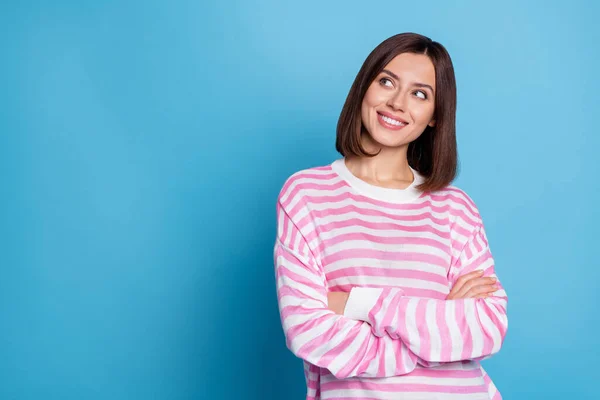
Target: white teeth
<point>392,121</point>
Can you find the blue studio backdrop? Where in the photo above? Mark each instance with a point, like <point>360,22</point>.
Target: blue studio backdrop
<point>143,145</point>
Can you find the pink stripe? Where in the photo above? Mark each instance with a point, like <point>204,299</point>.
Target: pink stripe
<point>401,353</point>
<point>359,198</point>
<point>461,231</point>
<point>446,373</point>
<point>290,291</point>
<point>325,186</point>
<point>306,175</point>
<point>424,216</point>
<point>357,356</point>
<point>356,222</point>
<point>408,292</point>
<point>488,342</point>
<point>416,205</point>
<point>283,271</point>
<point>492,303</point>
<point>491,388</point>
<point>446,199</point>
<point>381,350</point>
<point>302,248</point>
<point>285,227</point>
<point>333,353</point>
<point>377,307</point>
<point>392,311</point>
<point>300,175</point>
<point>390,273</point>
<point>384,255</point>
<point>483,257</point>
<point>352,398</point>
<point>446,338</point>
<point>456,197</point>
<point>401,387</point>
<point>295,310</point>
<point>477,244</point>
<point>316,342</point>
<point>465,331</point>
<point>293,236</point>
<point>423,330</point>
<point>399,241</point>
<point>475,265</point>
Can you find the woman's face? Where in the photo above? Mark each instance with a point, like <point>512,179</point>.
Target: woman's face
<point>399,104</point>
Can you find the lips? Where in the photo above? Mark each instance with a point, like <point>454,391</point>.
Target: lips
<point>390,122</point>
<point>391,116</point>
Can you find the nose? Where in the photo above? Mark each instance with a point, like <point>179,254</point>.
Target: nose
<point>396,100</point>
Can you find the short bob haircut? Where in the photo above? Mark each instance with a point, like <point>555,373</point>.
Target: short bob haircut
<point>433,154</point>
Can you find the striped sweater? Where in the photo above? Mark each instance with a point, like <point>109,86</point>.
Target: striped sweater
<point>398,253</point>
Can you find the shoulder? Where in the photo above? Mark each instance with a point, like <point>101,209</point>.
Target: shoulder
<point>313,178</point>
<point>460,205</point>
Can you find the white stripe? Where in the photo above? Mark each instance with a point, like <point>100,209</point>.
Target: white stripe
<point>455,335</point>
<point>300,270</point>
<point>474,327</point>
<point>376,394</point>
<point>434,331</point>
<point>451,204</point>
<point>348,353</point>
<point>373,213</point>
<point>324,325</point>
<point>391,264</point>
<point>376,219</point>
<point>409,363</point>
<point>425,250</point>
<point>384,281</point>
<point>390,358</point>
<point>414,340</point>
<point>309,194</point>
<point>489,326</point>
<point>303,180</point>
<point>436,381</point>
<point>297,240</point>
<point>382,233</point>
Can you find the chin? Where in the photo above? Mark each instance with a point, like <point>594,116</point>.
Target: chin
<point>388,140</point>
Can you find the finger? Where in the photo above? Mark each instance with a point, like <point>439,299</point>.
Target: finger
<point>480,290</point>
<point>458,289</point>
<point>474,283</point>
<point>460,282</point>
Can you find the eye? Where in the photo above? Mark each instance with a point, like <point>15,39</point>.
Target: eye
<point>386,82</point>
<point>421,94</point>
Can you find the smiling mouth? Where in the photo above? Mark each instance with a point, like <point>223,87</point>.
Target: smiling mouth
<point>391,121</point>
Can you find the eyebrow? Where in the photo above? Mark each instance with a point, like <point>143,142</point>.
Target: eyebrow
<point>418,84</point>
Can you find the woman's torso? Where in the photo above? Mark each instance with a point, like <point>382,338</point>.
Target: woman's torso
<point>368,241</point>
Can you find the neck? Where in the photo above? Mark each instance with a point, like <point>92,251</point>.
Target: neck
<point>388,169</point>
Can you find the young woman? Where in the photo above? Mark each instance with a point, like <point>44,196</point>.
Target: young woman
<point>386,284</point>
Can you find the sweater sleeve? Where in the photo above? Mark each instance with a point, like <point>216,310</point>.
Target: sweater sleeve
<point>346,347</point>
<point>440,330</point>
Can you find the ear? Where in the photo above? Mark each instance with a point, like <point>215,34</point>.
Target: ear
<point>431,123</point>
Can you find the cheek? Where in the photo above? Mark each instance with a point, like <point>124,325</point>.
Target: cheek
<point>373,97</point>
<point>367,105</point>
<point>423,114</point>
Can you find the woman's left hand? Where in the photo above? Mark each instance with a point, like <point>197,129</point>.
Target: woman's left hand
<point>336,301</point>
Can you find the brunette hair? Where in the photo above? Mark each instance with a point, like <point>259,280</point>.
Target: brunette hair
<point>433,154</point>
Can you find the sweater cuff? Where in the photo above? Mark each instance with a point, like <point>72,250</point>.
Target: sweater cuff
<point>360,302</point>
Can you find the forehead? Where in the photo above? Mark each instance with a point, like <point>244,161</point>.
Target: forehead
<point>411,67</point>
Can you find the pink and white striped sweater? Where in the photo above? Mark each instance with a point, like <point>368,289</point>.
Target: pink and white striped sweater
<point>398,252</point>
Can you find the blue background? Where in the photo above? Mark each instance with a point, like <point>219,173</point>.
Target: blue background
<point>143,144</point>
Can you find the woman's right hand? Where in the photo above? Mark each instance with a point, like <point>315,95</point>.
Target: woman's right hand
<point>472,285</point>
